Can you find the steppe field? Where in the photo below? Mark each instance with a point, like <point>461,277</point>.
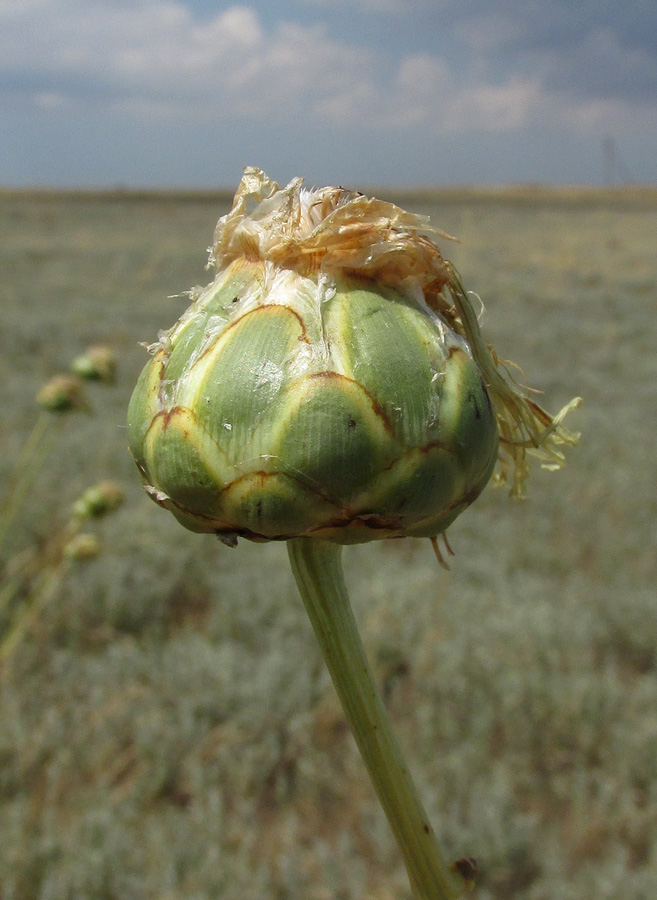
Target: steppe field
<point>167,727</point>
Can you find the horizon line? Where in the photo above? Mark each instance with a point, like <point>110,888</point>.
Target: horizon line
<point>518,191</point>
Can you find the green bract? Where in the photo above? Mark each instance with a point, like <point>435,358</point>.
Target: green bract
<point>330,382</point>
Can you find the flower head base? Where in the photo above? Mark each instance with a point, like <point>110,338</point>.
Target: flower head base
<point>330,382</point>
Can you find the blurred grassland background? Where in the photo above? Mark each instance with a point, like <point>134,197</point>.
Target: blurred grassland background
<point>167,728</point>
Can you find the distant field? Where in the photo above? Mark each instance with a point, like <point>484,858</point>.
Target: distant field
<point>167,729</point>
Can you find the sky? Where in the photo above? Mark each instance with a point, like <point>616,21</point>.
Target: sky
<point>185,93</point>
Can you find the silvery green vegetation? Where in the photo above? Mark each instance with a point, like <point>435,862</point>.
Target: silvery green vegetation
<point>168,727</point>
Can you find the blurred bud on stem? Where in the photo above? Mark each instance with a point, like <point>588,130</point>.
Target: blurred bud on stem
<point>82,548</point>
<point>99,500</point>
<point>97,363</point>
<point>63,393</point>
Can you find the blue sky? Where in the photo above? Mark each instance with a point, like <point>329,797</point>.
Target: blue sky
<point>354,92</point>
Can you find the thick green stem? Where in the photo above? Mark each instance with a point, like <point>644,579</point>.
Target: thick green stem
<point>317,568</point>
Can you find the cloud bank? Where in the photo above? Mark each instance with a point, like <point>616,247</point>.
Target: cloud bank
<point>155,58</point>
<point>499,69</point>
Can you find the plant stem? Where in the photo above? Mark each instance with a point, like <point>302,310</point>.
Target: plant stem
<point>41,594</point>
<point>30,462</point>
<point>317,568</point>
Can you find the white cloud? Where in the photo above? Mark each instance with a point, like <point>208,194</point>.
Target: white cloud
<point>152,58</point>
<point>424,93</point>
<point>495,108</point>
<point>377,6</point>
<point>50,100</point>
<point>156,51</point>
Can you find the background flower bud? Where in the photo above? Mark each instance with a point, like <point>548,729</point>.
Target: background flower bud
<point>82,547</point>
<point>97,363</point>
<point>63,393</point>
<point>99,500</point>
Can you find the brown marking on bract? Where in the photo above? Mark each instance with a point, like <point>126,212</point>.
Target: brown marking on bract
<point>160,360</point>
<point>376,521</point>
<point>432,445</point>
<point>260,478</point>
<point>469,497</point>
<point>266,306</point>
<point>372,521</point>
<point>162,414</point>
<point>168,414</point>
<point>438,445</point>
<point>305,483</point>
<point>376,409</point>
<point>466,867</point>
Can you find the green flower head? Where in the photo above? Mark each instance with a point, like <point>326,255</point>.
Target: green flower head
<point>330,382</point>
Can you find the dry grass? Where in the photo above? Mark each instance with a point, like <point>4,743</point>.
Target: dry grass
<point>168,730</point>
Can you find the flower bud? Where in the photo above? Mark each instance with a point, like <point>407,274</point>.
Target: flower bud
<point>97,363</point>
<point>63,393</point>
<point>323,384</point>
<point>82,548</point>
<point>99,500</point>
